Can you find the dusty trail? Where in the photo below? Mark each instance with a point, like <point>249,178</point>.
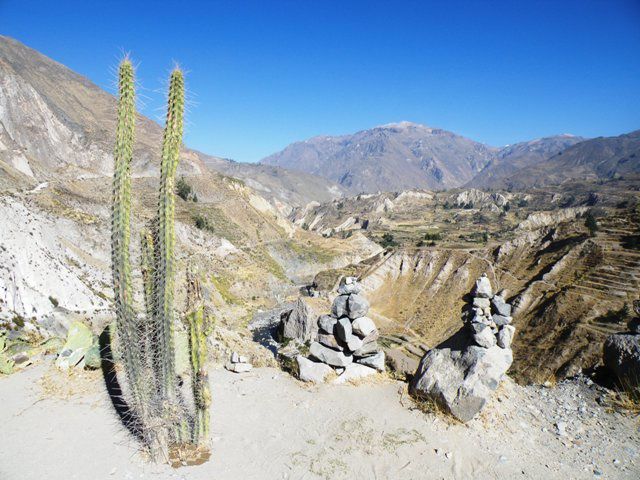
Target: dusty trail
<point>266,425</point>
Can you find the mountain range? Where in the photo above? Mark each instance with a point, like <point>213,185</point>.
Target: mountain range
<point>56,124</point>
<point>406,155</point>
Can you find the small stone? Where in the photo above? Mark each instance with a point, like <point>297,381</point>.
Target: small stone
<point>374,361</point>
<point>329,356</point>
<point>372,337</point>
<point>561,428</point>
<point>505,336</point>
<point>349,285</point>
<point>501,320</point>
<point>344,329</point>
<point>367,349</point>
<point>239,367</point>
<point>483,336</point>
<point>19,358</point>
<point>500,306</point>
<point>483,287</point>
<point>339,307</point>
<point>352,372</point>
<point>235,358</point>
<point>357,306</point>
<point>327,323</point>
<point>354,343</point>
<point>329,341</point>
<point>363,326</point>
<point>310,371</point>
<point>480,302</point>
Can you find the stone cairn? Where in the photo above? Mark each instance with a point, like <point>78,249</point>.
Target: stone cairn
<point>461,374</point>
<point>489,318</point>
<point>346,342</point>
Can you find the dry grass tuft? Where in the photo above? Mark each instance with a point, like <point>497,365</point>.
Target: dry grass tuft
<point>56,383</point>
<point>626,399</point>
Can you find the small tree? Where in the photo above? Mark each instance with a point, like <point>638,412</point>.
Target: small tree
<point>591,223</point>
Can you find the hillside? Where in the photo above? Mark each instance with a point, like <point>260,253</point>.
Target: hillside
<point>512,158</point>
<point>391,157</point>
<point>56,124</point>
<point>56,138</point>
<point>601,158</point>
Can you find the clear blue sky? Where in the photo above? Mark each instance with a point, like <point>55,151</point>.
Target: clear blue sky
<point>262,74</point>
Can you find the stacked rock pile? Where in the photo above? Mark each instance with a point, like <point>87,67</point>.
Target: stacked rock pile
<point>461,374</point>
<point>238,364</point>
<point>346,340</point>
<point>489,318</point>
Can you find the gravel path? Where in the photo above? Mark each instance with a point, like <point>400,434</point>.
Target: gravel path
<point>267,425</point>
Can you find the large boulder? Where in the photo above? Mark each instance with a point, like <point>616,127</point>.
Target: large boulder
<point>298,323</point>
<point>310,371</point>
<point>329,356</point>
<point>621,355</point>
<point>461,381</point>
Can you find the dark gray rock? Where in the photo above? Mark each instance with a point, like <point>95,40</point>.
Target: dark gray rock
<point>461,381</point>
<point>344,329</point>
<point>298,323</point>
<point>357,306</point>
<point>621,355</point>
<point>339,307</point>
<point>329,356</point>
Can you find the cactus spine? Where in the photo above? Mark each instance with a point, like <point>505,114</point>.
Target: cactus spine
<point>147,341</point>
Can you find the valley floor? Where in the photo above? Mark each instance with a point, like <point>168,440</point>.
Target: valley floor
<point>266,425</point>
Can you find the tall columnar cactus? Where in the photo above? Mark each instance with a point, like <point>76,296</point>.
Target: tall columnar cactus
<point>147,340</point>
<point>165,241</point>
<point>121,225</point>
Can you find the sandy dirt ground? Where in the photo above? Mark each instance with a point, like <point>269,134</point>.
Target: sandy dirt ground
<point>266,425</point>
